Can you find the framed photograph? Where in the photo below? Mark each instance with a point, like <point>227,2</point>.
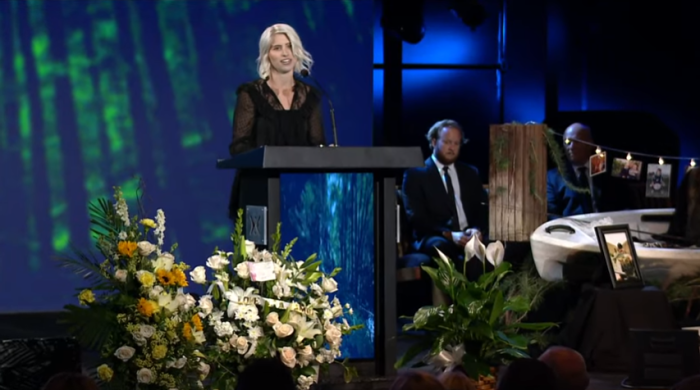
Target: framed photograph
<point>626,169</point>
<point>618,250</point>
<point>597,164</point>
<point>658,180</point>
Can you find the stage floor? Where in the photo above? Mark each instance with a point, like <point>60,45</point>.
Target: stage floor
<point>44,325</point>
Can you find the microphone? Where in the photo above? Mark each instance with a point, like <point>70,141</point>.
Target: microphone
<point>305,73</point>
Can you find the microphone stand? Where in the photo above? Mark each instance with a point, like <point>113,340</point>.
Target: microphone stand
<point>305,73</point>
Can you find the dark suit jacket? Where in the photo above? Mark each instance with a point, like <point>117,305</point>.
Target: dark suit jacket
<point>427,204</point>
<point>565,202</point>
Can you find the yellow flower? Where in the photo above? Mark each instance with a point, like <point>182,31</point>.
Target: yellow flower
<point>197,322</point>
<point>187,331</point>
<point>149,223</point>
<point>165,278</point>
<point>105,373</point>
<point>146,278</point>
<point>179,277</point>
<point>85,297</point>
<point>146,307</point>
<point>159,352</point>
<point>126,248</point>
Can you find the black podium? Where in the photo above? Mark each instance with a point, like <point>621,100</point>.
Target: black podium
<point>262,168</point>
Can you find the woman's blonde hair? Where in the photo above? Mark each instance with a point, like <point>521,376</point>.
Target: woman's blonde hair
<point>303,57</point>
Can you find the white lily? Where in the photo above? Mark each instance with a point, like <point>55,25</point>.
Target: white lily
<point>237,296</point>
<point>474,248</point>
<point>495,252</point>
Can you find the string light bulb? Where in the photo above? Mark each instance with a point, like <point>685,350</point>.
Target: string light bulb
<point>629,156</point>
<point>598,150</point>
<point>661,161</point>
<point>692,162</point>
<point>567,141</point>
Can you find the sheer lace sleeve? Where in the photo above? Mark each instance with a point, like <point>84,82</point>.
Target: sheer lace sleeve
<point>317,135</point>
<point>243,121</point>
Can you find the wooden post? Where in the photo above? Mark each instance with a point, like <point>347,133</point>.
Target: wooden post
<point>517,181</point>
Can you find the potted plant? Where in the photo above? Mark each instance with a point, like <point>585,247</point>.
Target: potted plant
<point>482,328</point>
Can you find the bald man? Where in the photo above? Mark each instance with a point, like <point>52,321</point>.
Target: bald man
<point>569,367</point>
<point>563,201</point>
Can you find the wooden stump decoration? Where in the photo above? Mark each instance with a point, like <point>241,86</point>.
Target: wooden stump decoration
<point>517,181</point>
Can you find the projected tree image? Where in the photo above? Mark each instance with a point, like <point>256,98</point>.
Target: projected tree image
<point>96,93</point>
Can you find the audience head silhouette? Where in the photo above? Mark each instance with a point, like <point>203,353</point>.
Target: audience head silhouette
<point>266,374</point>
<point>70,381</point>
<point>456,380</point>
<point>416,380</point>
<point>527,374</point>
<point>690,383</point>
<point>569,367</point>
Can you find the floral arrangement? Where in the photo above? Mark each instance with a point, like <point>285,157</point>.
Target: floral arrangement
<point>262,304</point>
<point>483,325</point>
<point>135,311</point>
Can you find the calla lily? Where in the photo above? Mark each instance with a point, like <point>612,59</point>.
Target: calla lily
<point>443,257</point>
<point>495,252</point>
<point>474,248</point>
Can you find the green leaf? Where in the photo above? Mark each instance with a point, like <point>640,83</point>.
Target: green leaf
<point>424,314</point>
<point>537,326</point>
<point>517,304</point>
<point>413,351</point>
<point>497,309</point>
<point>335,272</point>
<point>433,274</point>
<point>516,341</point>
<point>90,326</point>
<point>513,352</point>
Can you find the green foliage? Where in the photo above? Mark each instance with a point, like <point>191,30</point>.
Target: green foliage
<point>500,159</point>
<point>485,318</point>
<point>557,154</point>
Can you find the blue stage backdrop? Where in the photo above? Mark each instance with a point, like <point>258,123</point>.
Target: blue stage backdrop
<point>100,93</point>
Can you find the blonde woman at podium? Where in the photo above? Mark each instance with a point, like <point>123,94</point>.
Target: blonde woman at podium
<point>276,109</point>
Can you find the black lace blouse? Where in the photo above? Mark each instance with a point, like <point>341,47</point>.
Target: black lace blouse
<point>260,119</point>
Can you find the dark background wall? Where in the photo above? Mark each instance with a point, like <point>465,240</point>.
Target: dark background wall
<point>561,57</point>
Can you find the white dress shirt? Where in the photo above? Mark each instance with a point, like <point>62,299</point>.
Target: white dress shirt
<point>463,223</point>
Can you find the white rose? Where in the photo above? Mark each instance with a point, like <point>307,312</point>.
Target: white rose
<point>283,330</point>
<point>147,331</point>
<point>242,270</point>
<point>288,356</point>
<point>205,304</point>
<point>124,353</point>
<point>144,375</point>
<point>217,262</point>
<point>272,318</point>
<point>249,248</point>
<point>179,363</point>
<point>189,302</point>
<point>164,261</point>
<point>204,368</point>
<point>305,355</point>
<point>333,336</point>
<point>139,339</point>
<point>145,248</point>
<point>120,275</point>
<point>329,285</point>
<point>155,292</point>
<point>199,275</point>
<point>241,345</point>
